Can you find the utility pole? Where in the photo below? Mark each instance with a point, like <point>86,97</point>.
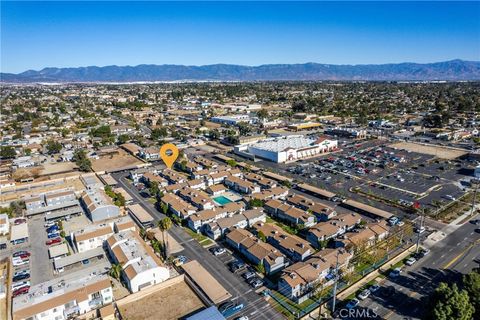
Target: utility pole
<point>474,198</point>
<point>335,285</point>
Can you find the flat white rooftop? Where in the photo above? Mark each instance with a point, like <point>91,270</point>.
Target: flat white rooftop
<point>280,144</point>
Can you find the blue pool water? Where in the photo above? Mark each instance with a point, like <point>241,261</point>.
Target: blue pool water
<point>221,200</point>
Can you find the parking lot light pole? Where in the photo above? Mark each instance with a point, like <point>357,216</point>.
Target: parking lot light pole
<point>419,229</point>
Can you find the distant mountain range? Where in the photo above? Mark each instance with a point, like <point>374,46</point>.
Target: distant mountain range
<point>453,70</point>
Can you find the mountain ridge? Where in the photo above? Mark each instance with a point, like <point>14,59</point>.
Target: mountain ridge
<point>452,70</point>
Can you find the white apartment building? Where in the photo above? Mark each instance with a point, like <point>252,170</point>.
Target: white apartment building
<point>92,237</point>
<point>4,224</point>
<point>141,268</point>
<point>64,298</point>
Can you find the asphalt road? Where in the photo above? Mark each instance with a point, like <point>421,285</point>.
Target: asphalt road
<point>448,260</point>
<point>255,306</point>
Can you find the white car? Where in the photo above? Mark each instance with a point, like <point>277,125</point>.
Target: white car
<point>364,294</point>
<point>18,285</point>
<point>17,263</point>
<point>420,229</point>
<point>395,273</point>
<point>410,261</point>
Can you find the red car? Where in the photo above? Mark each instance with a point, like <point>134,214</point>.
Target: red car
<point>53,241</point>
<point>19,221</point>
<point>22,290</point>
<point>21,254</point>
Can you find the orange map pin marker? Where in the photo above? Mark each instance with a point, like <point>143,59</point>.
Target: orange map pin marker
<point>169,153</point>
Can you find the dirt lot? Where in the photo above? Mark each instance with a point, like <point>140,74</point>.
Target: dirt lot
<point>438,151</point>
<point>115,162</point>
<point>60,167</point>
<point>164,304</point>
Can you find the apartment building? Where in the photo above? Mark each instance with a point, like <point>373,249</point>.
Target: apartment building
<point>333,228</point>
<point>269,194</point>
<point>219,227</point>
<point>4,224</point>
<point>98,205</point>
<point>177,206</point>
<point>255,250</point>
<point>91,237</point>
<point>197,198</point>
<point>298,281</point>
<point>289,213</point>
<point>64,298</point>
<point>240,185</point>
<point>292,246</point>
<point>319,210</point>
<point>141,268</point>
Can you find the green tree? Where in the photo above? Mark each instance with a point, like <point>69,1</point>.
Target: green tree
<point>232,163</point>
<point>164,225</point>
<point>81,160</point>
<point>53,147</point>
<point>123,138</point>
<point>256,203</point>
<point>115,271</point>
<point>27,151</point>
<point>262,113</point>
<point>7,153</point>
<point>471,283</point>
<point>448,302</point>
<point>260,267</point>
<point>262,236</point>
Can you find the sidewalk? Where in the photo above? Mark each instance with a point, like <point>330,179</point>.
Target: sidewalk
<point>448,229</point>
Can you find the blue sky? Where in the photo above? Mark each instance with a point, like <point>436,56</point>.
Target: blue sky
<point>35,35</point>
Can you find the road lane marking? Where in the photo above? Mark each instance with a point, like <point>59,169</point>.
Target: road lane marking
<point>457,257</point>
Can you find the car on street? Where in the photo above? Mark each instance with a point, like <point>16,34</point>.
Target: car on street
<point>364,294</point>
<point>393,221</point>
<point>242,318</point>
<point>352,304</point>
<point>395,273</point>
<point>410,261</point>
<point>229,308</point>
<point>53,241</point>
<point>475,222</point>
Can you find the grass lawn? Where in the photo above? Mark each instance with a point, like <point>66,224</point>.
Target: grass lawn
<point>285,228</point>
<point>197,236</point>
<point>152,200</point>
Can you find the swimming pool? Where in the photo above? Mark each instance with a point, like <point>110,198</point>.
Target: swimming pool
<point>222,200</point>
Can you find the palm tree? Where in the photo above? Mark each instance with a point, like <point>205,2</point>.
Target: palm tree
<point>115,271</point>
<point>164,225</point>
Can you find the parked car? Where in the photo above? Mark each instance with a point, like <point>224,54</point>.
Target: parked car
<point>237,266</point>
<point>410,261</point>
<point>18,285</point>
<point>53,241</point>
<point>3,246</point>
<point>352,304</point>
<point>20,291</point>
<point>475,222</point>
<point>374,288</point>
<point>21,253</point>
<point>20,277</point>
<point>218,251</point>
<point>248,275</point>
<point>420,229</point>
<point>52,228</point>
<point>364,294</point>
<point>19,221</point>
<point>49,224</point>
<point>242,318</point>
<point>395,273</point>
<point>257,283</point>
<point>178,261</point>
<point>53,235</point>
<point>20,262</point>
